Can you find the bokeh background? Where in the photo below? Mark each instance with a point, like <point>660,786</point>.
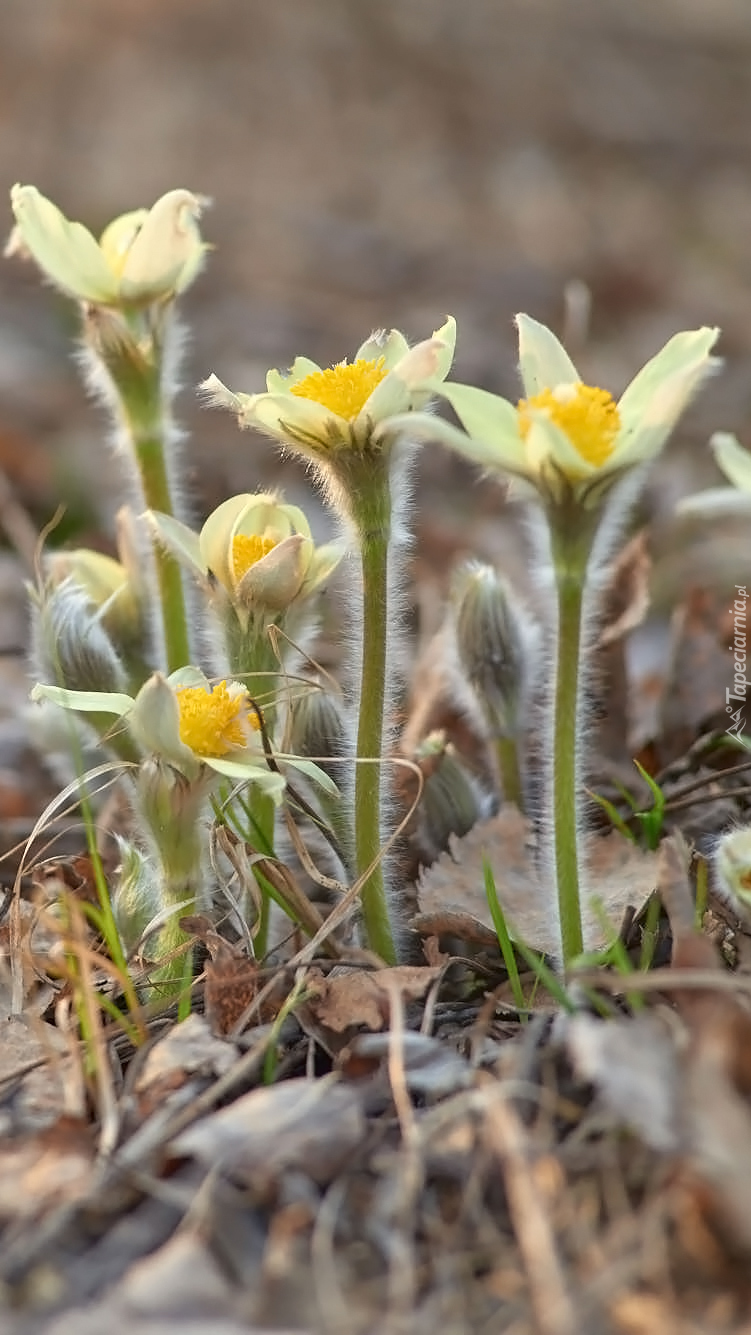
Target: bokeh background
<point>376,165</point>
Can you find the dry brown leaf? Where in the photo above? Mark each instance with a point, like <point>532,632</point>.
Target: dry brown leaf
<point>305,1125</point>
<point>187,1051</point>
<point>51,1167</point>
<point>353,998</point>
<point>617,875</point>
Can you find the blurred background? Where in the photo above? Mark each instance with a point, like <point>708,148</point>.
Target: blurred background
<point>376,165</point>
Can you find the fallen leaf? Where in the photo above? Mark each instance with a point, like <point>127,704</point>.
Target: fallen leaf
<point>311,1126</point>
<point>617,875</point>
<point>353,998</point>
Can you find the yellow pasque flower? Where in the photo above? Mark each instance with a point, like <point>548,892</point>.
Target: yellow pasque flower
<point>257,549</point>
<point>191,725</point>
<point>143,256</point>
<point>565,437</point>
<point>184,721</point>
<point>349,407</point>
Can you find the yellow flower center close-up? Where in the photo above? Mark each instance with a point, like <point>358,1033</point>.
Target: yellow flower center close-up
<point>247,550</point>
<point>589,417</point>
<point>345,389</point>
<point>213,723</point>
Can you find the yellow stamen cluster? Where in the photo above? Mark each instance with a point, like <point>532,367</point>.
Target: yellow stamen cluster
<point>213,723</point>
<point>345,388</point>
<point>247,550</point>
<point>589,417</point>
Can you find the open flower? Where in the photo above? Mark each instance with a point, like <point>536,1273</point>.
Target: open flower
<point>565,437</point>
<point>191,725</point>
<point>185,721</point>
<point>348,407</point>
<point>258,550</point>
<point>143,256</point>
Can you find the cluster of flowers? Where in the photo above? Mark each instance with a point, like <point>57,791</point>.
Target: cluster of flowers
<point>119,639</point>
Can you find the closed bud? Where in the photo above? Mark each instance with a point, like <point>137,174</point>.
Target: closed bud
<point>136,900</point>
<point>318,728</point>
<point>70,645</point>
<point>495,640</point>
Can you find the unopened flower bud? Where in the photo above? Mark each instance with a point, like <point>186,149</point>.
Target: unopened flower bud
<point>136,900</point>
<point>452,800</point>
<point>494,638</point>
<point>318,728</point>
<point>71,647</point>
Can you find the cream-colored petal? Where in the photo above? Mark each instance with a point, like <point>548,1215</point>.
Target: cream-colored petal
<point>734,461</point>
<point>118,237</point>
<point>277,382</point>
<point>65,251</point>
<point>291,419</point>
<point>482,414</point>
<point>391,345</point>
<point>250,766</point>
<point>215,394</point>
<point>324,562</point>
<point>154,722</point>
<point>663,387</point>
<point>389,397</point>
<point>275,581</point>
<point>85,702</point>
<point>652,412</point>
<point>216,536</point>
<point>180,540</point>
<point>167,252</point>
<point>503,453</point>
<point>716,501</point>
<point>269,517</point>
<point>543,360</point>
<point>546,442</point>
<point>446,335</point>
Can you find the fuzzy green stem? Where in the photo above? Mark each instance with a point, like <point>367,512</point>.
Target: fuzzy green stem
<point>149,452</point>
<point>374,547</point>
<point>172,809</point>
<point>565,769</point>
<point>135,366</point>
<point>507,752</point>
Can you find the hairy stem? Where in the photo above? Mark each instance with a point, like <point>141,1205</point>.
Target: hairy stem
<point>374,548</point>
<point>565,769</point>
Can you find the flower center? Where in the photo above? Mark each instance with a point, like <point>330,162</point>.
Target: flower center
<point>247,550</point>
<point>344,388</point>
<point>212,723</point>
<point>589,417</point>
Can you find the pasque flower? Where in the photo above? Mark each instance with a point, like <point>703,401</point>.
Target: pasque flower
<point>351,421</point>
<point>564,437</point>
<point>184,721</point>
<point>143,256</point>
<point>347,408</point>
<point>258,550</point>
<point>573,446</point>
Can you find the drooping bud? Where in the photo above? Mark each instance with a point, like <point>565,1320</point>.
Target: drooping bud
<point>452,800</point>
